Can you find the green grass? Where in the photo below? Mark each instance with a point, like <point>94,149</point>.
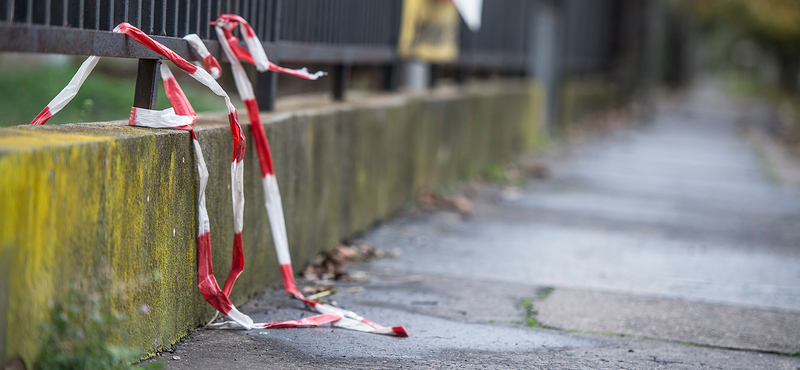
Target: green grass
<point>509,173</point>
<point>83,335</point>
<point>544,293</point>
<point>530,312</point>
<point>105,96</point>
<point>494,172</point>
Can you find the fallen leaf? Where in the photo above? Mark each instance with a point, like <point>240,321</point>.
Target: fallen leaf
<point>538,170</point>
<point>459,203</point>
<point>322,294</point>
<point>331,265</point>
<point>316,289</point>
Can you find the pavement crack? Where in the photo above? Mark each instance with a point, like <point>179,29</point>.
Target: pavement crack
<point>528,307</point>
<point>664,362</point>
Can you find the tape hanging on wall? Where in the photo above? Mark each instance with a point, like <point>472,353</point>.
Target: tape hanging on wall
<point>182,116</point>
<point>255,54</point>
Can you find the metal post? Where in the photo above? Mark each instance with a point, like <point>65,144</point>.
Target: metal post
<point>266,88</point>
<point>267,82</point>
<point>146,91</point>
<point>435,72</point>
<point>417,74</point>
<point>462,75</point>
<point>390,77</point>
<point>341,76</point>
<point>545,55</point>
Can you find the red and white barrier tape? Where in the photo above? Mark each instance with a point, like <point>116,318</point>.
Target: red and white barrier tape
<point>256,55</point>
<point>183,109</point>
<point>219,298</point>
<point>210,63</point>
<point>183,116</point>
<point>68,93</point>
<point>166,119</point>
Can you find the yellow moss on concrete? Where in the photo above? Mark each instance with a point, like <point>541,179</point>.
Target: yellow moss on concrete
<point>534,131</point>
<point>584,95</point>
<point>98,214</point>
<point>39,207</point>
<point>22,139</point>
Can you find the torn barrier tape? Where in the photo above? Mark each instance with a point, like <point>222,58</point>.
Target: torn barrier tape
<point>164,119</point>
<point>182,116</point>
<point>256,55</point>
<point>207,283</point>
<point>210,63</point>
<point>184,110</point>
<point>68,93</point>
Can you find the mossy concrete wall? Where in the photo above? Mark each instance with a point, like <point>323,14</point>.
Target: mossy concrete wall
<point>584,95</point>
<point>110,209</point>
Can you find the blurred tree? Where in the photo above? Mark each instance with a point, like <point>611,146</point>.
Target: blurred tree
<point>773,24</point>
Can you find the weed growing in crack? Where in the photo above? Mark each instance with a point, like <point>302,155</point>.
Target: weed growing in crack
<point>544,293</point>
<point>530,312</point>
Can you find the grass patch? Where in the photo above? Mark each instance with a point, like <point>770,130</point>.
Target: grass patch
<point>528,309</point>
<point>509,174</point>
<point>530,314</point>
<point>105,96</point>
<point>545,293</point>
<point>82,335</point>
<point>495,173</point>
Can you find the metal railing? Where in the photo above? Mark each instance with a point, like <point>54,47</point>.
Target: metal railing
<point>338,33</point>
<point>590,35</point>
<point>502,42</point>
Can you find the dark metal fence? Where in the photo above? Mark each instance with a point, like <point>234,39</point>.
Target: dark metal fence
<point>339,33</point>
<point>156,17</point>
<point>591,29</point>
<point>290,29</point>
<point>502,42</point>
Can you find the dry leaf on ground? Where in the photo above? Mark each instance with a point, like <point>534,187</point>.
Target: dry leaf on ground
<point>331,265</point>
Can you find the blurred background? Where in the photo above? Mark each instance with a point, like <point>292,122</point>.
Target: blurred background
<point>589,54</point>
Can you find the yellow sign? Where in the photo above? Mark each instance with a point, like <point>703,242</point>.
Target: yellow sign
<point>429,30</point>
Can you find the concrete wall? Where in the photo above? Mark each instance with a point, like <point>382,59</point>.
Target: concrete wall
<point>111,209</point>
<point>584,95</point>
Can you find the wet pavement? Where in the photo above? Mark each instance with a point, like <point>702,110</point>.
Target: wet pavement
<point>668,245</point>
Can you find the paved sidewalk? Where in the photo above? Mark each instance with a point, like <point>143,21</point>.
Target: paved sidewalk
<point>667,245</point>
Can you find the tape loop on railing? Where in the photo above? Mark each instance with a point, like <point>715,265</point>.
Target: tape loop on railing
<point>254,53</point>
<point>210,63</point>
<point>182,116</point>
